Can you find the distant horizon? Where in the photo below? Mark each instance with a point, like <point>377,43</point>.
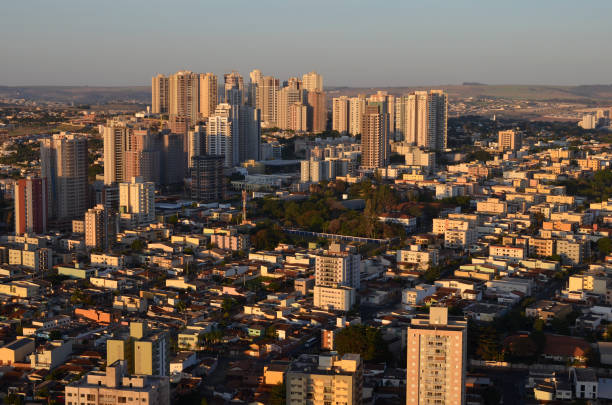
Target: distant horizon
<point>351,43</point>
<point>327,86</point>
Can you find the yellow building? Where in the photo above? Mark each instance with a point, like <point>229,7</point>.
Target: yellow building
<point>118,349</point>
<point>21,289</point>
<point>16,351</point>
<point>588,282</point>
<point>146,352</point>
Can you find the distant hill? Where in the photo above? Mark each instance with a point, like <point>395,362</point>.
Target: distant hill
<point>525,92</point>
<point>142,94</point>
<point>79,94</point>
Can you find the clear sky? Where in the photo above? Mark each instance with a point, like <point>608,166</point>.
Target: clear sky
<point>350,42</point>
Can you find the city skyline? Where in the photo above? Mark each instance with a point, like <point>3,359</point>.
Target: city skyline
<point>529,45</point>
<point>281,203</point>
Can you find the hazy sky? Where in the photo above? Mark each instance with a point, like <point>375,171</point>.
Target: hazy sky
<point>350,42</point>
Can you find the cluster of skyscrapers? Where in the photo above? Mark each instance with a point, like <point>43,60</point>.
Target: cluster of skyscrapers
<point>419,119</point>
<point>63,197</point>
<point>219,126</point>
<point>188,98</point>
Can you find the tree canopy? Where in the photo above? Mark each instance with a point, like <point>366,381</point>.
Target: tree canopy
<point>364,340</point>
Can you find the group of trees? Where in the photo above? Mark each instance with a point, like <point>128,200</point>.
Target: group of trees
<point>324,212</point>
<point>22,152</point>
<point>367,341</point>
<point>596,188</point>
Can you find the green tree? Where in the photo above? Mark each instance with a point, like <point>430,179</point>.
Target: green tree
<point>491,396</point>
<point>480,155</point>
<point>432,275</point>
<point>13,399</point>
<point>364,340</point>
<point>271,332</point>
<point>138,245</point>
<point>181,306</point>
<point>278,395</point>
<point>488,344</point>
<point>604,245</point>
<point>228,304</point>
<point>55,335</point>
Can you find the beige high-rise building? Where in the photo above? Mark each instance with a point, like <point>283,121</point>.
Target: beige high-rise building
<point>97,230</point>
<point>116,137</point>
<point>114,386</point>
<point>64,163</point>
<point>130,152</point>
<point>436,359</point>
<point>143,157</point>
<point>287,96</point>
<point>425,119</point>
<point>356,110</point>
<point>219,131</point>
<point>312,81</point>
<point>325,379</point>
<point>255,76</point>
<point>208,94</point>
<point>234,88</point>
<point>267,100</point>
<point>196,143</point>
<point>184,98</point>
<point>298,117</point>
<point>401,121</point>
<point>159,94</point>
<point>374,138</point>
<point>387,103</point>
<point>318,111</point>
<point>136,203</point>
<point>509,140</point>
<point>338,266</point>
<point>340,114</point>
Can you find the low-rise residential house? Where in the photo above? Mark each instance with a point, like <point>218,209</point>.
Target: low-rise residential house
<point>548,310</point>
<point>415,255</point>
<point>16,351</point>
<point>416,295</point>
<point>51,354</point>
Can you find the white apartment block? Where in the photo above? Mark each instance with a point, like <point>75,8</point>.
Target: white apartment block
<point>421,258</point>
<point>137,202</point>
<point>337,268</point>
<point>459,238</point>
<point>511,253</point>
<point>114,386</point>
<point>492,206</point>
<point>334,298</point>
<point>416,295</point>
